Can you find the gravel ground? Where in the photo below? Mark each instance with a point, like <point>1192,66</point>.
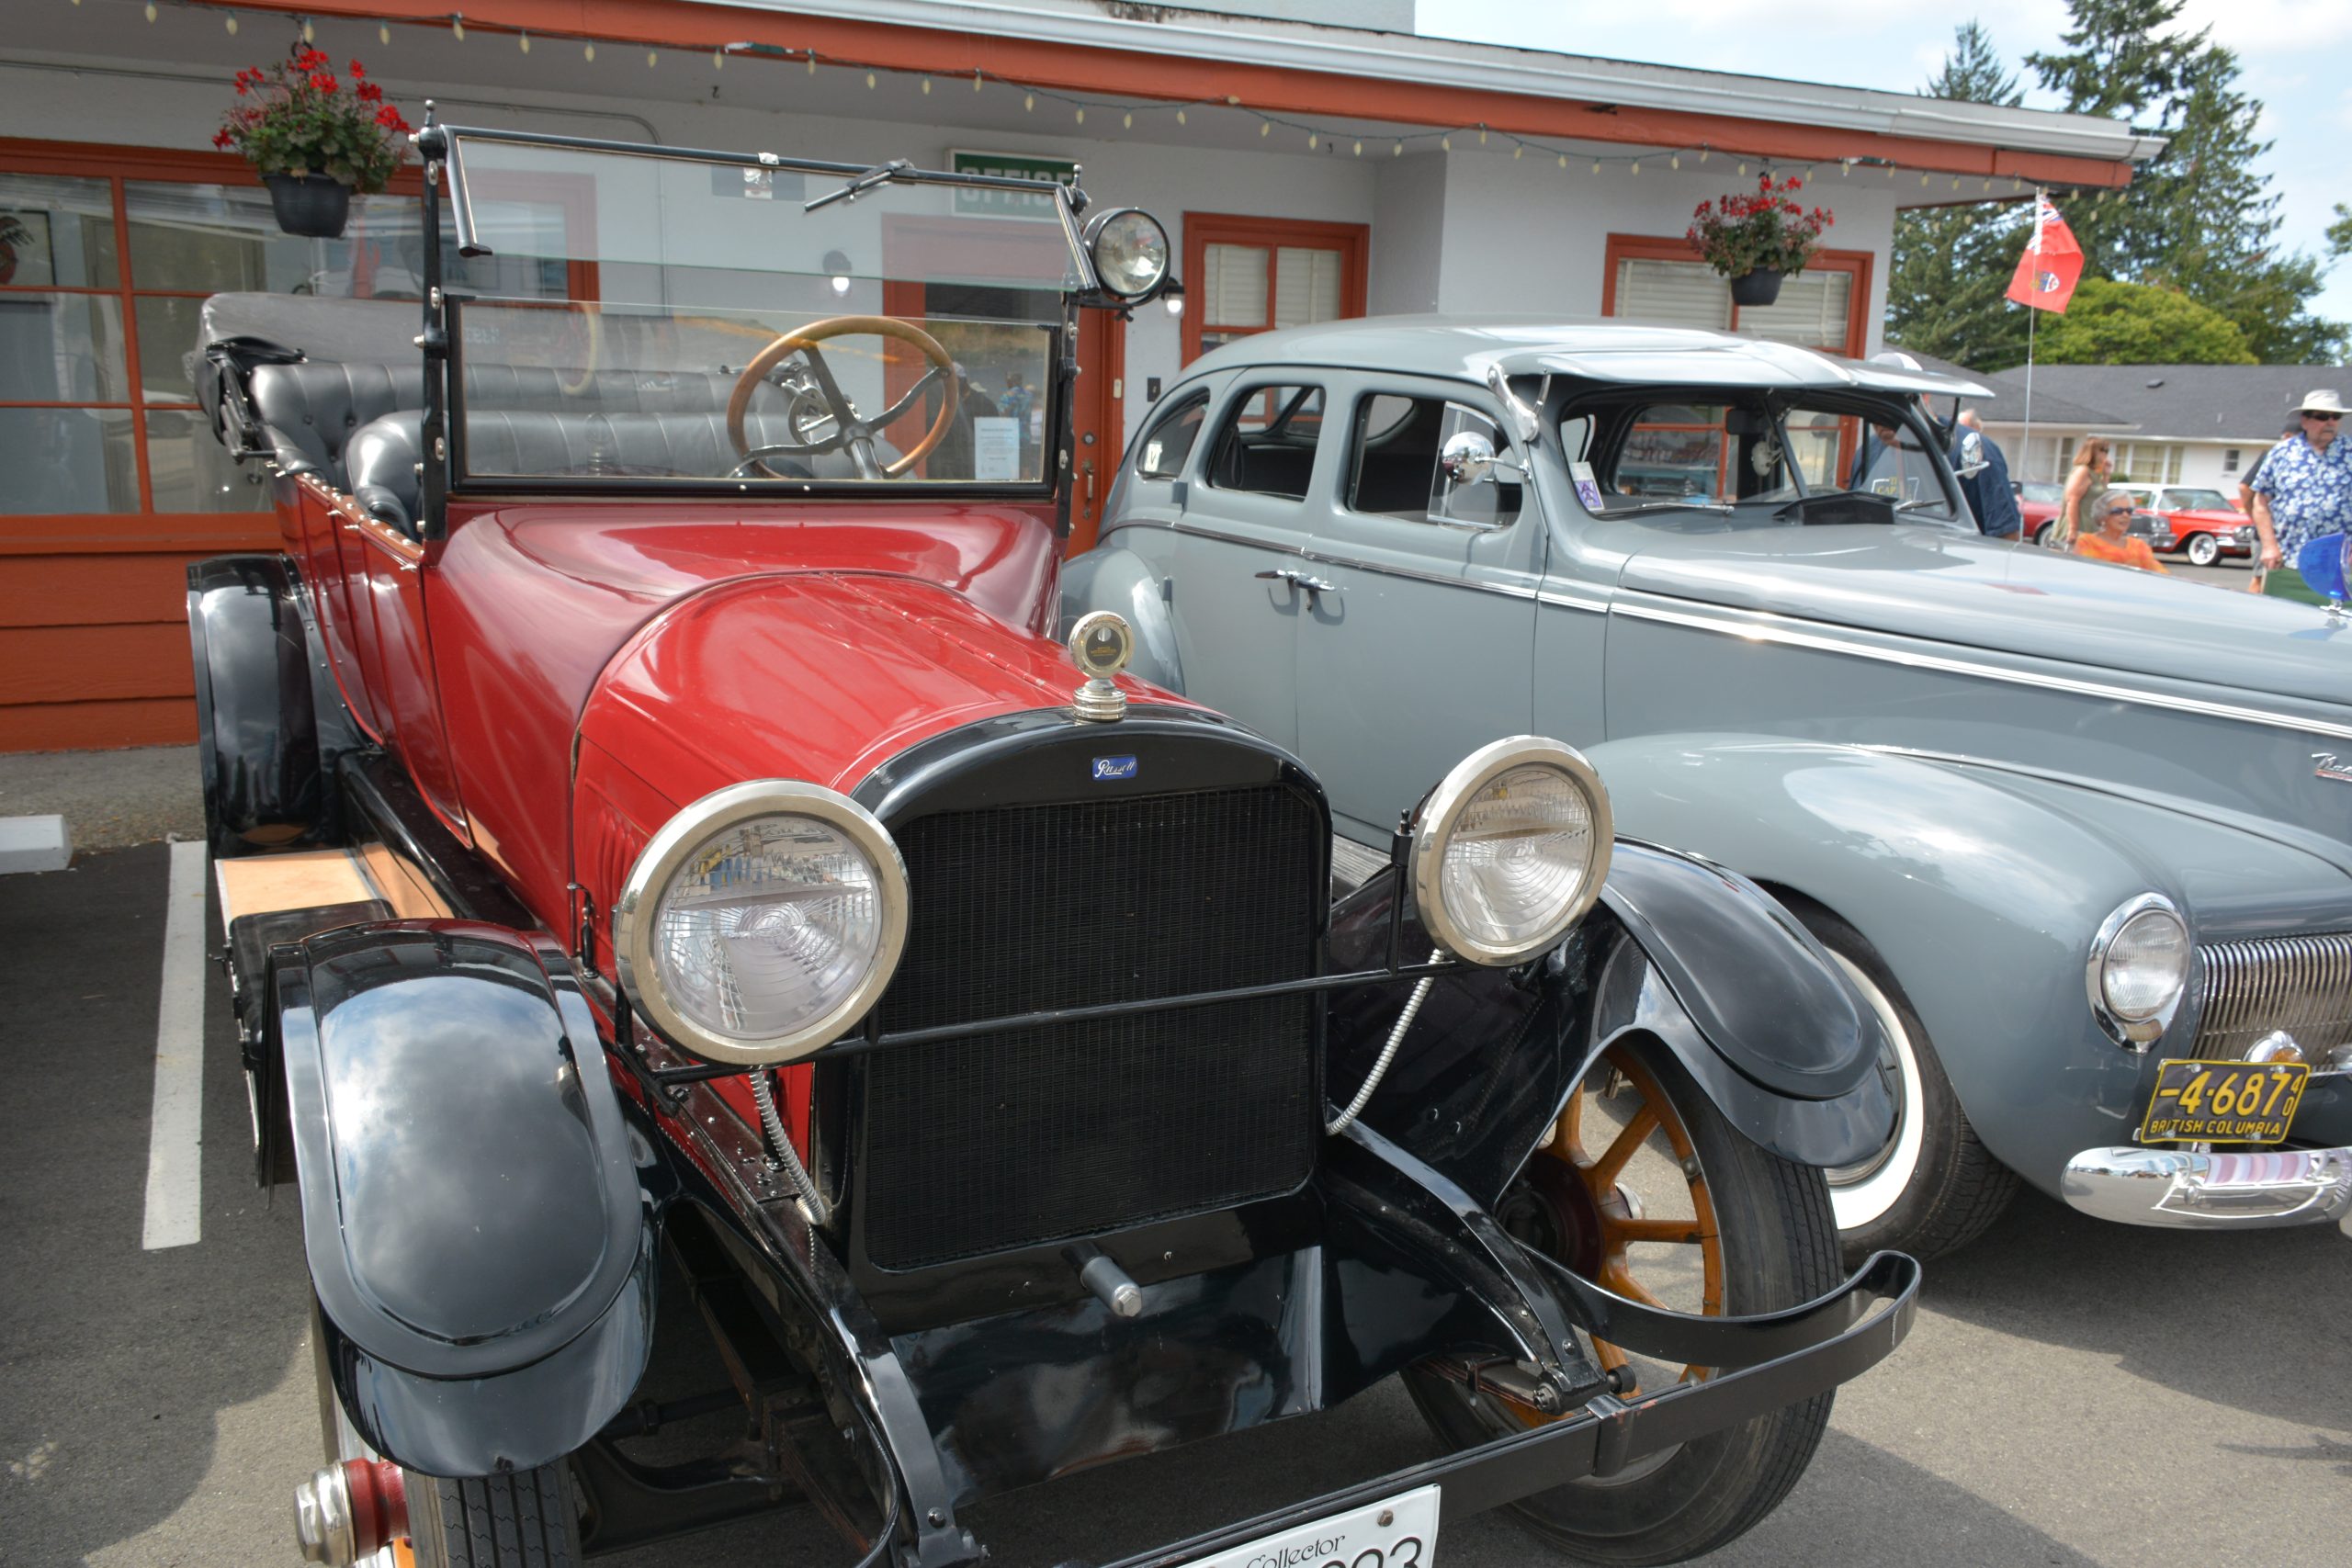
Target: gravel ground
<point>110,800</point>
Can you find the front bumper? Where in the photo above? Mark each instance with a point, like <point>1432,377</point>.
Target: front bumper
<point>1815,1347</point>
<point>2195,1190</point>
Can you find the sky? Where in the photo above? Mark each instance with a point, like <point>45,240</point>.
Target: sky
<point>2296,57</point>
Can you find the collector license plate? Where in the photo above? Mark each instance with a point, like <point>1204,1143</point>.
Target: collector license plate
<point>2224,1102</point>
<point>1398,1533</point>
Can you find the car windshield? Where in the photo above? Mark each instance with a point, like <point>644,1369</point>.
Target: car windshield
<point>756,319</point>
<point>2040,491</point>
<point>1752,457</point>
<point>2196,501</point>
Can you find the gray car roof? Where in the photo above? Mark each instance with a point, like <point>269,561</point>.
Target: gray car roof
<point>1467,347</point>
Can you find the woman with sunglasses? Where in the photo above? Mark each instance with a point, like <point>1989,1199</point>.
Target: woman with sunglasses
<point>2109,542</point>
<point>2075,516</point>
<point>2304,492</point>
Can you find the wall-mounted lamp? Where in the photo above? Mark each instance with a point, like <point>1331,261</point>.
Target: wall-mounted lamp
<point>1171,294</point>
<point>837,263</point>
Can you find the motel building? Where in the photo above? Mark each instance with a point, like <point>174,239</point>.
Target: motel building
<point>1312,159</point>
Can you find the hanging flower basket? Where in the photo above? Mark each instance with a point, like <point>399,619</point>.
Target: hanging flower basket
<point>315,138</point>
<point>1756,241</point>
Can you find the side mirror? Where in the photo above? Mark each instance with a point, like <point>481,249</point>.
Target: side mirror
<point>1468,458</point>
<point>1977,467</point>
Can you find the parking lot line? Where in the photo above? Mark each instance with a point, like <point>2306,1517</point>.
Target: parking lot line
<point>175,1130</point>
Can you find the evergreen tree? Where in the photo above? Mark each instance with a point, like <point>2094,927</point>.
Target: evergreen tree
<point>2198,217</point>
<point>1951,263</point>
<point>2339,233</point>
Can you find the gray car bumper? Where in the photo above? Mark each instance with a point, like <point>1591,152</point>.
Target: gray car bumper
<point>2212,1192</point>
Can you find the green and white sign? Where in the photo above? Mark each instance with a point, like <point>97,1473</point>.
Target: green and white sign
<point>1009,165</point>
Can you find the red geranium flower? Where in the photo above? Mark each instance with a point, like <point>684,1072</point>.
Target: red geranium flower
<point>358,69</point>
<point>369,93</point>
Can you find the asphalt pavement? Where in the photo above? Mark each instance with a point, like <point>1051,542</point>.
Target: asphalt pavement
<point>2074,1393</point>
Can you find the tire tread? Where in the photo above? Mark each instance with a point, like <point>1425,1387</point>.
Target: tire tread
<point>519,1520</point>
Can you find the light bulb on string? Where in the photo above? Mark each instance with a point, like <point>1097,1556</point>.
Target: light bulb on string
<point>1955,181</point>
<point>718,60</point>
<point>1482,136</point>
<point>1081,117</point>
<point>1702,154</point>
<point>1445,144</point>
<point>384,33</point>
<point>1265,128</point>
<point>151,10</point>
<point>652,58</point>
<point>1028,101</point>
<point>1397,150</point>
<point>1127,120</point>
<point>1676,161</point>
<point>458,28</point>
<point>588,52</point>
<point>310,32</point>
<point>1923,178</point>
<point>926,86</point>
<point>1637,167</point>
<point>976,80</point>
<point>232,24</point>
<point>1564,160</point>
<point>1180,117</point>
<point>1596,166</point>
<point>1312,141</point>
<point>812,62</point>
<point>1359,149</point>
<point>2016,185</point>
<point>1518,150</point>
<point>523,39</point>
<point>869,81</point>
<point>1743,167</point>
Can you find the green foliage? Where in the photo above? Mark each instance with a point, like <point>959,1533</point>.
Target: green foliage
<point>2198,217</point>
<point>2134,324</point>
<point>1952,264</point>
<point>2339,233</point>
<point>299,118</point>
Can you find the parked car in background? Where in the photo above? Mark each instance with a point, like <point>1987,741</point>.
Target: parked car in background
<point>2080,835</point>
<point>2039,504</point>
<point>676,882</point>
<point>2197,521</point>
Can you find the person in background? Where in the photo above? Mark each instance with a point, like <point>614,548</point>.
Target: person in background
<point>2109,542</point>
<point>2304,491</point>
<point>2294,427</point>
<point>2093,465</point>
<point>1987,490</point>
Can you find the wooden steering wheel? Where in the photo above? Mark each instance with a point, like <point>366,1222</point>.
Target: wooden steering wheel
<point>848,431</point>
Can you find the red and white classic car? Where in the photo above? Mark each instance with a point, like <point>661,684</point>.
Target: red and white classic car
<point>678,884</point>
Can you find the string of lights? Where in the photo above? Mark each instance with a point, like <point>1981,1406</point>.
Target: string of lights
<point>1318,135</point>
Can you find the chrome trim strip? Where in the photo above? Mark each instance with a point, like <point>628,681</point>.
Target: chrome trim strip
<point>1598,603</point>
<point>1378,569</point>
<point>1770,627</point>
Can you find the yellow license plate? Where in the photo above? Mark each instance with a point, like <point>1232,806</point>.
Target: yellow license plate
<point>2224,1102</point>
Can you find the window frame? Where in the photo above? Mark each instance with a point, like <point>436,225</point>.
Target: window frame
<point>1507,448</point>
<point>118,167</point>
<point>1659,247</point>
<point>1202,229</point>
<point>1161,417</point>
<point>1228,415</point>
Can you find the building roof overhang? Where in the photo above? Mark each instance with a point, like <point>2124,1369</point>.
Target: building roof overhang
<point>1156,52</point>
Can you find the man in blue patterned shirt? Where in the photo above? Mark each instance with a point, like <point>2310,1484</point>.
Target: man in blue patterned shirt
<point>2305,490</point>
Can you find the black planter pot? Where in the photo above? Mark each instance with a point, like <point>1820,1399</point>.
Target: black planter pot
<point>314,205</point>
<point>1758,287</point>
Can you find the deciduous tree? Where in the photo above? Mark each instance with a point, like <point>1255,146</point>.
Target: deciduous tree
<point>2138,323</point>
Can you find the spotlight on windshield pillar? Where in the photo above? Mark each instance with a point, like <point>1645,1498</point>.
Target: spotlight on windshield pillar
<point>837,264</point>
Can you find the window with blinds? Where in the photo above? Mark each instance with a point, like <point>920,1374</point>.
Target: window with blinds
<point>1814,310</point>
<point>1249,288</point>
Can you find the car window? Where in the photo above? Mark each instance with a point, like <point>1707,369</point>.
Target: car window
<point>1701,452</point>
<point>1166,445</point>
<point>1393,464</point>
<point>1835,450</point>
<point>1267,443</point>
<point>2195,501</point>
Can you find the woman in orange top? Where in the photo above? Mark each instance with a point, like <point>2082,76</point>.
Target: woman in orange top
<point>2092,466</point>
<point>2110,544</point>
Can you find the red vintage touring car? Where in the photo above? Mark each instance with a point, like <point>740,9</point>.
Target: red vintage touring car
<point>678,884</point>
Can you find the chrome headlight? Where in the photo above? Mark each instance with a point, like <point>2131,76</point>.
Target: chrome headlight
<point>761,921</point>
<point>1130,251</point>
<point>1511,850</point>
<point>2139,967</point>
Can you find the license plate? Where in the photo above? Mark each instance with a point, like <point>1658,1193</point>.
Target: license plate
<point>1398,1533</point>
<point>2224,1102</point>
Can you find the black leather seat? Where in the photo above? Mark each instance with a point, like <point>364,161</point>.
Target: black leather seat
<point>386,456</point>
<point>313,409</point>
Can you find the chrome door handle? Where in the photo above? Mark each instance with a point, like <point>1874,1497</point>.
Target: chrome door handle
<point>1314,585</point>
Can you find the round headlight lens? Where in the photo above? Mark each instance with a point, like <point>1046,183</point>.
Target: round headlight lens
<point>756,932</point>
<point>2146,965</point>
<point>1512,849</point>
<point>1130,253</point>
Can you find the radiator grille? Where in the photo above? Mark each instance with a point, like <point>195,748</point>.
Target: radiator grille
<point>2299,984</point>
<point>976,1145</point>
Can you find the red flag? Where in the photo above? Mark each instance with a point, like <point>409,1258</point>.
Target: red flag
<point>2053,263</point>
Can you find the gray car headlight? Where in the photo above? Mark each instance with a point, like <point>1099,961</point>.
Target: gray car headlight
<point>761,921</point>
<point>1511,850</point>
<point>2139,967</point>
<point>1130,251</point>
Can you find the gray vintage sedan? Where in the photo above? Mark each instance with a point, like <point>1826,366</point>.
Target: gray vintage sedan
<point>2082,836</point>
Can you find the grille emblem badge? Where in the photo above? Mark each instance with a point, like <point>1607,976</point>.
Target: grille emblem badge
<point>1109,768</point>
<point>2330,767</point>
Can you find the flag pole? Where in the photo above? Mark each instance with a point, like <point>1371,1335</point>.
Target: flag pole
<point>2030,317</point>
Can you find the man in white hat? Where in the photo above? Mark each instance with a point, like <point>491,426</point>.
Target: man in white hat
<point>2304,491</point>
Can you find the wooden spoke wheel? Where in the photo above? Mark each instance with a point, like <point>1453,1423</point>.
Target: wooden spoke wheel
<point>1648,1190</point>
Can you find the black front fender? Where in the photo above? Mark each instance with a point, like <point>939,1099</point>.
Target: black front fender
<point>1695,956</point>
<point>478,1217</point>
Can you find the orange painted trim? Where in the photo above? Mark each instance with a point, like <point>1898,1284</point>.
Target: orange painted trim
<point>1202,229</point>
<point>136,533</point>
<point>99,725</point>
<point>105,160</point>
<point>1661,247</point>
<point>1178,79</point>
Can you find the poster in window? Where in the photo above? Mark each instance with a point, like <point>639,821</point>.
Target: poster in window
<point>24,257</point>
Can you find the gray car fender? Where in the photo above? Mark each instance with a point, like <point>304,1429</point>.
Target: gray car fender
<point>1981,901</point>
<point>1122,581</point>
